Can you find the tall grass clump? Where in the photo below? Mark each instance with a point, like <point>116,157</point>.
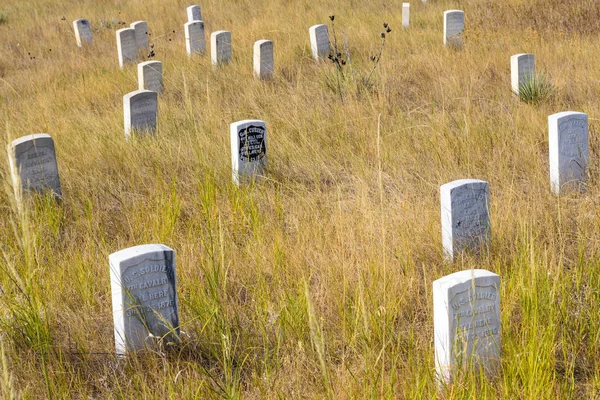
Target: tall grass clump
<point>536,89</point>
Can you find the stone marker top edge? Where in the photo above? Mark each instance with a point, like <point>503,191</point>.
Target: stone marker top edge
<point>198,21</point>
<point>462,277</point>
<point>137,22</point>
<point>143,64</point>
<point>216,33</point>
<point>34,136</point>
<point>314,27</point>
<point>562,114</point>
<point>81,20</point>
<point>124,29</point>
<point>192,6</point>
<point>521,55</point>
<point>262,41</point>
<point>135,93</point>
<point>453,11</point>
<point>135,251</point>
<point>239,124</point>
<point>405,4</point>
<point>460,182</point>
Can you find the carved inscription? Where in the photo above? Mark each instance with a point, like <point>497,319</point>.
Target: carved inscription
<point>470,214</point>
<point>37,168</point>
<point>573,137</point>
<point>143,114</point>
<point>322,39</point>
<point>475,317</point>
<point>266,58</point>
<point>252,143</point>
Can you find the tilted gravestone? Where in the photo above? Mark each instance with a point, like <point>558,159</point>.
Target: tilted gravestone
<point>466,313</point>
<point>144,296</point>
<point>465,216</point>
<point>405,14</point>
<point>141,35</point>
<point>140,109</point>
<point>319,41</point>
<point>248,149</point>
<point>263,59</point>
<point>522,69</point>
<point>150,76</point>
<point>126,46</point>
<point>194,37</point>
<point>220,47</point>
<point>569,150</point>
<point>33,165</point>
<point>454,25</point>
<point>194,13</point>
<point>83,31</point>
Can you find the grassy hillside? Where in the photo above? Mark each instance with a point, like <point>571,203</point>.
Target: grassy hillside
<point>317,282</point>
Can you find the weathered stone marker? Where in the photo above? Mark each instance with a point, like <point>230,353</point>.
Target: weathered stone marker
<point>248,149</point>
<point>405,14</point>
<point>126,46</point>
<point>263,59</point>
<point>220,47</point>
<point>150,76</point>
<point>466,313</point>
<point>194,37</point>
<point>319,41</point>
<point>522,69</point>
<point>454,25</point>
<point>569,149</point>
<point>144,296</point>
<point>140,109</point>
<point>33,165</point>
<point>194,13</point>
<point>83,31</point>
<point>141,35</point>
<point>465,216</point>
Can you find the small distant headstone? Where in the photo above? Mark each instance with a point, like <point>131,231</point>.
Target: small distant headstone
<point>144,296</point>
<point>140,109</point>
<point>248,149</point>
<point>141,35</point>
<point>194,13</point>
<point>569,149</point>
<point>220,47</point>
<point>263,59</point>
<point>522,69</point>
<point>126,46</point>
<point>454,25</point>
<point>319,41</point>
<point>466,312</point>
<point>405,14</point>
<point>150,76</point>
<point>33,164</point>
<point>83,31</point>
<point>465,216</point>
<point>194,37</point>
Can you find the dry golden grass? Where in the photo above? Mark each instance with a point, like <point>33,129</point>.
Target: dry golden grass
<point>317,282</point>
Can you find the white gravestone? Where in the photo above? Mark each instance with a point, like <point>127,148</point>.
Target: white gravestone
<point>140,109</point>
<point>263,59</point>
<point>141,35</point>
<point>194,13</point>
<point>466,315</point>
<point>454,25</point>
<point>319,41</point>
<point>194,37</point>
<point>220,47</point>
<point>522,69</point>
<point>248,149</point>
<point>83,31</point>
<point>33,165</point>
<point>405,14</point>
<point>465,216</point>
<point>144,296</point>
<point>150,76</point>
<point>569,149</point>
<point>126,46</point>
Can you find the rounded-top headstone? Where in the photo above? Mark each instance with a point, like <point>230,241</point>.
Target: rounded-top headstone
<point>83,31</point>
<point>263,59</point>
<point>150,76</point>
<point>195,43</point>
<point>141,34</point>
<point>522,69</point>
<point>126,46</point>
<point>220,47</point>
<point>319,41</point>
<point>194,13</point>
<point>454,25</point>
<point>140,110</point>
<point>248,149</point>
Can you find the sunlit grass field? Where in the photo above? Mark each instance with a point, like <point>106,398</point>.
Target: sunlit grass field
<point>315,282</point>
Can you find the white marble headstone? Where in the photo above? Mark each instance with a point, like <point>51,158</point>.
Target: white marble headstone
<point>141,34</point>
<point>522,69</point>
<point>144,296</point>
<point>405,14</point>
<point>220,47</point>
<point>140,109</point>
<point>126,46</point>
<point>454,25</point>
<point>248,149</point>
<point>33,165</point>
<point>569,149</point>
<point>465,216</point>
<point>194,13</point>
<point>319,41</point>
<point>150,76</point>
<point>194,37</point>
<point>83,31</point>
<point>263,59</point>
<point>466,312</point>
